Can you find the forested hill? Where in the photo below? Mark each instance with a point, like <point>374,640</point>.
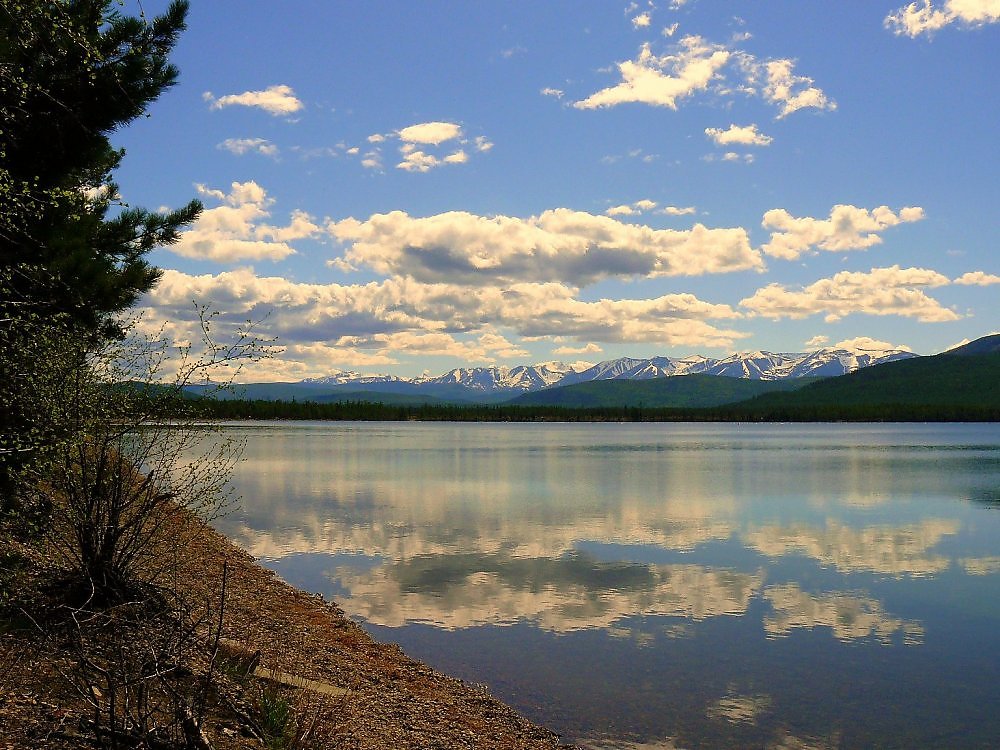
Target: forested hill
<point>693,391</point>
<point>964,378</point>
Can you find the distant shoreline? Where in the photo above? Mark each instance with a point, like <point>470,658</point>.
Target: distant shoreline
<point>367,411</point>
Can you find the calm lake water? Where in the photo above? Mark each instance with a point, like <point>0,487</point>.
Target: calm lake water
<point>661,585</point>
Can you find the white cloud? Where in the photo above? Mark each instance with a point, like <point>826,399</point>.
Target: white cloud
<point>487,348</point>
<point>695,65</point>
<point>733,156</point>
<point>368,315</point>
<point>926,17</point>
<point>881,291</point>
<point>418,161</point>
<point>746,135</point>
<point>978,278</point>
<point>868,344</point>
<point>641,21</point>
<point>817,342</point>
<point>670,30</point>
<point>433,133</point>
<point>639,207</point>
<point>558,245</point>
<point>236,231</point>
<point>847,228</point>
<point>240,146</point>
<point>376,138</point>
<point>275,100</point>
<point>590,348</point>
<point>557,93</point>
<point>662,81</point>
<point>678,210</point>
<point>417,144</point>
<point>792,92</point>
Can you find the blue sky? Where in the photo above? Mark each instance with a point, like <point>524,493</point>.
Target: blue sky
<point>406,187</point>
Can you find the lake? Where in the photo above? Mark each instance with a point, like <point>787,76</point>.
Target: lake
<point>660,585</point>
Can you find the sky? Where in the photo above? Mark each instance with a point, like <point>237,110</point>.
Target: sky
<point>400,187</point>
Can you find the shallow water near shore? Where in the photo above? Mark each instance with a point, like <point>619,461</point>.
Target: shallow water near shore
<point>661,585</point>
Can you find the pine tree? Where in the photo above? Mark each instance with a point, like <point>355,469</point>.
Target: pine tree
<point>72,72</point>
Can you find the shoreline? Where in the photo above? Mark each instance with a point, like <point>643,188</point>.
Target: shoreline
<point>392,700</point>
<point>356,692</point>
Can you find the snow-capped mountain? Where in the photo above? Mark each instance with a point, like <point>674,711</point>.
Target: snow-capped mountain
<point>347,377</point>
<point>521,378</point>
<point>758,365</point>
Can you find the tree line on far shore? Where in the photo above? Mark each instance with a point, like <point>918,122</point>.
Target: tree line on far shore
<point>235,409</point>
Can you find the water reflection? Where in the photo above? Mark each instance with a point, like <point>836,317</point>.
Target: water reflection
<point>849,616</point>
<point>727,559</point>
<point>889,550</point>
<point>561,594</point>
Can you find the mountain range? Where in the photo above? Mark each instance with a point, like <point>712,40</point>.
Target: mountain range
<point>500,383</point>
<point>959,384</point>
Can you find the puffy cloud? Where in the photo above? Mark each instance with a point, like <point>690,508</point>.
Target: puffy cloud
<point>882,291</point>
<point>240,146</point>
<point>868,344</point>
<point>434,133</point>
<point>925,17</point>
<point>792,92</point>
<point>557,93</point>
<point>590,348</point>
<point>732,156</point>
<point>978,278</point>
<point>847,228</point>
<point>817,342</point>
<point>662,81</point>
<point>357,315</point>
<point>275,100</point>
<point>418,161</point>
<point>237,231</point>
<point>639,207</point>
<point>641,21</point>
<point>694,65</point>
<point>557,245</point>
<point>678,210</point>
<point>418,141</point>
<point>486,348</point>
<point>746,135</point>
